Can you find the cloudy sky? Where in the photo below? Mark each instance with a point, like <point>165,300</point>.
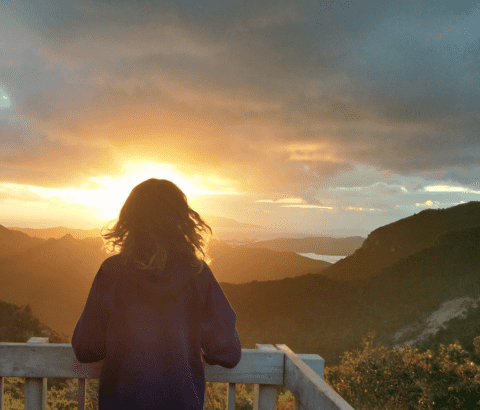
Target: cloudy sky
<point>326,117</point>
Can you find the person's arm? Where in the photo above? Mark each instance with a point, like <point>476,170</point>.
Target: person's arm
<point>220,341</point>
<point>88,340</point>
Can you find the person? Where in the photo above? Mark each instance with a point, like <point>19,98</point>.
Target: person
<point>155,312</point>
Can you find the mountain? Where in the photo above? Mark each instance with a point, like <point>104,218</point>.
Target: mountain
<point>318,245</point>
<point>12,242</point>
<point>215,222</point>
<point>388,244</point>
<point>463,326</point>
<point>315,314</point>
<point>18,324</point>
<point>242,264</point>
<point>58,232</point>
<point>311,313</point>
<point>219,222</point>
<point>53,277</point>
<point>414,287</point>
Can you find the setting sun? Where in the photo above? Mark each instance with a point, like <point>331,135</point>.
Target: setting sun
<point>107,199</point>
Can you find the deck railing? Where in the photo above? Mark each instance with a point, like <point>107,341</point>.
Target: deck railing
<point>265,367</point>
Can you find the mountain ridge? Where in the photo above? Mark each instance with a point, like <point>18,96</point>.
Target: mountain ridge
<point>389,243</point>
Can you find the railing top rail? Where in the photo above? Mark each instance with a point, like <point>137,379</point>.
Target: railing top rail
<point>58,360</point>
<point>265,365</point>
<point>308,387</point>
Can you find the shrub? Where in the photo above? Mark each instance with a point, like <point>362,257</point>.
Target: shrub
<point>379,378</point>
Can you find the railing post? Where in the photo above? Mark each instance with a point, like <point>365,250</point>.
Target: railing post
<point>231,396</point>
<point>82,394</point>
<point>265,395</point>
<point>36,387</point>
<point>1,392</point>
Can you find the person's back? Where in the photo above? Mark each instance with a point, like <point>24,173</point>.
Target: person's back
<point>155,312</point>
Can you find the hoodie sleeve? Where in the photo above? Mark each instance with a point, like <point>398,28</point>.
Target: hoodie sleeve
<point>89,336</point>
<point>220,341</point>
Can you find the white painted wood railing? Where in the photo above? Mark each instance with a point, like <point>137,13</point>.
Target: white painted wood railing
<point>265,367</point>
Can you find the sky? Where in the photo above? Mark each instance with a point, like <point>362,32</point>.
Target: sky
<point>316,117</point>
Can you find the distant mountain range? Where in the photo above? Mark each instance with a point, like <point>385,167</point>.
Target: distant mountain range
<point>318,245</point>
<point>219,222</point>
<point>402,274</point>
<point>216,222</point>
<point>242,264</point>
<point>12,242</point>
<point>58,232</point>
<point>55,275</point>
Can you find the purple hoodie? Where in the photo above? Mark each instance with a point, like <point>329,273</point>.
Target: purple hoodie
<point>151,332</point>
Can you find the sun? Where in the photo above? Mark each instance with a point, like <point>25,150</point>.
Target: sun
<point>104,202</point>
<point>108,197</point>
<point>113,191</point>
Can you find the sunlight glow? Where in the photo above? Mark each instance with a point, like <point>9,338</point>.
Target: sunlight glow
<point>107,200</point>
<point>302,151</point>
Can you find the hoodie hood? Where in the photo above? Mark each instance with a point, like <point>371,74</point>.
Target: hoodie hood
<point>151,286</point>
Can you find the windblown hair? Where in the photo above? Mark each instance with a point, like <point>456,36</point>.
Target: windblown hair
<point>156,225</point>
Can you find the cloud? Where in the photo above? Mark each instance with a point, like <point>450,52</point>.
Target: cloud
<point>353,208</point>
<point>307,206</point>
<point>39,162</point>
<point>429,203</point>
<point>447,188</point>
<point>280,97</point>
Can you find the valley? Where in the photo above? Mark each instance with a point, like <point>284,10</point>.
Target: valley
<point>393,283</point>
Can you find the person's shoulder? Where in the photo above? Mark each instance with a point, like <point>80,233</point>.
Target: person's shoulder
<point>205,274</point>
<point>113,264</point>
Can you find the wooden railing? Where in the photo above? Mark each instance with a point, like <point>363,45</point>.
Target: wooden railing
<point>265,367</point>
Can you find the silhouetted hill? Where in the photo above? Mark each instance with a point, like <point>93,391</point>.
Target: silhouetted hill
<point>387,244</point>
<point>318,245</point>
<point>59,231</point>
<point>53,277</point>
<point>18,324</point>
<point>242,264</point>
<point>12,242</point>
<point>418,284</point>
<point>311,313</point>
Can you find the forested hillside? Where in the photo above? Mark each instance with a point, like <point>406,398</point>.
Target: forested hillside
<point>242,264</point>
<point>311,313</point>
<point>18,324</point>
<point>389,243</point>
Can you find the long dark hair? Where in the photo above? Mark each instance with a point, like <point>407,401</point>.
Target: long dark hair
<point>156,225</point>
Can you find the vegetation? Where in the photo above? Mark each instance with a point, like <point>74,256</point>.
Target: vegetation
<point>376,377</point>
<point>464,330</point>
<point>409,268</point>
<point>18,324</point>
<point>373,377</point>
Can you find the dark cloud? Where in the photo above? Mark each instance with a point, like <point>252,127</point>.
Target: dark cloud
<point>41,164</point>
<point>230,87</point>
